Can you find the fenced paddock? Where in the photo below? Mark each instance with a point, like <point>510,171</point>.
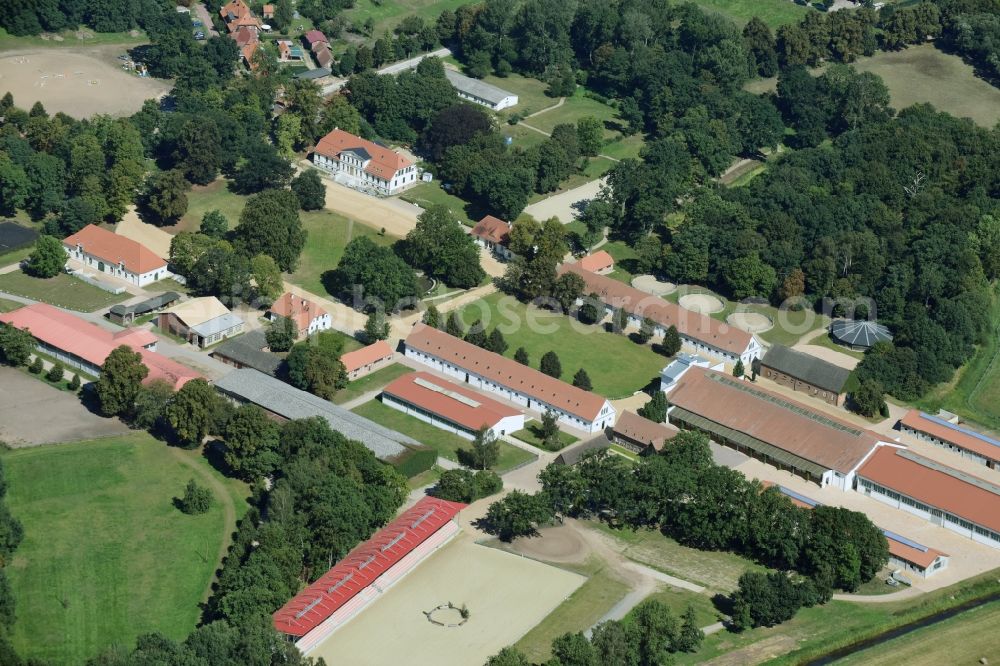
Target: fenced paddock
<point>506,596</point>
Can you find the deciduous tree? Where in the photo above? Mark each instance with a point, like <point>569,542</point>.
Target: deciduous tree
<point>310,190</point>
<point>48,258</point>
<point>270,224</point>
<point>121,376</point>
<point>192,412</point>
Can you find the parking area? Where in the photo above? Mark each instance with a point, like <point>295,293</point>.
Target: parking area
<point>32,412</point>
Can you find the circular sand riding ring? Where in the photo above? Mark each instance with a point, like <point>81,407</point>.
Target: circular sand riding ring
<point>703,303</point>
<point>448,615</point>
<point>751,322</point>
<point>650,285</point>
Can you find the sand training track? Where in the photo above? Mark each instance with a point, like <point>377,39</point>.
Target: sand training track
<point>703,303</point>
<point>78,85</point>
<point>506,595</point>
<point>751,322</point>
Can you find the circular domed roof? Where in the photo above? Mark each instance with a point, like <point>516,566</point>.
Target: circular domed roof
<point>859,333</point>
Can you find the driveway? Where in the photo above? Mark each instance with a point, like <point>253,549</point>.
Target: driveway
<point>565,205</point>
<point>202,13</point>
<point>31,412</point>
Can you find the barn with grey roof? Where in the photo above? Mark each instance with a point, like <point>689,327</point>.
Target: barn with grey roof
<point>806,373</point>
<point>480,92</point>
<point>250,386</point>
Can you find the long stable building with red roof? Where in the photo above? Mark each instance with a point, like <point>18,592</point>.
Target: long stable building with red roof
<point>367,571</point>
<point>960,502</point>
<point>363,164</point>
<point>520,384</point>
<point>964,441</point>
<point>700,332</point>
<point>84,345</point>
<point>450,407</point>
<point>108,253</point>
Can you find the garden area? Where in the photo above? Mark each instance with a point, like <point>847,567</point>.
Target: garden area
<point>106,554</point>
<point>62,290</point>
<point>617,366</point>
<point>533,434</point>
<point>373,382</point>
<point>445,443</point>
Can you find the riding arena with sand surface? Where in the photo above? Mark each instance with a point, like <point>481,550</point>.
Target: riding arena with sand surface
<point>751,322</point>
<point>503,596</point>
<point>651,285</point>
<point>79,85</point>
<point>703,303</point>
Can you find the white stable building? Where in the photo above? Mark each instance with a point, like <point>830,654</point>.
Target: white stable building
<point>364,165</point>
<point>110,254</point>
<point>506,377</point>
<point>480,92</point>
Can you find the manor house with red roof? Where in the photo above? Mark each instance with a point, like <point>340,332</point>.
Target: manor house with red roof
<point>364,165</point>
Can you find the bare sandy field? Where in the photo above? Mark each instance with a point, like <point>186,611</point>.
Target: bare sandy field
<point>154,238</point>
<point>554,544</point>
<point>506,596</point>
<point>77,84</point>
<point>566,205</point>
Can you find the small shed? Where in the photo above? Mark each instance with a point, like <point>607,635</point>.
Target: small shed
<point>123,315</point>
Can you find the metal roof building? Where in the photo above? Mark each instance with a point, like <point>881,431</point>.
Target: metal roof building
<point>123,314</point>
<point>804,372</point>
<point>480,92</point>
<point>368,562</point>
<point>859,334</point>
<point>277,397</point>
<point>247,351</point>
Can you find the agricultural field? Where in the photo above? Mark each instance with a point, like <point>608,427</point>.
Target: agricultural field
<point>445,443</point>
<point>63,290</point>
<point>924,74</point>
<point>617,366</point>
<point>106,555</point>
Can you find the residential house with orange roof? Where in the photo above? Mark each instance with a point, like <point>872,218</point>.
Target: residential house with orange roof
<point>493,234</point>
<point>237,14</point>
<point>367,360</point>
<point>307,316</point>
<point>520,384</point>
<point>267,11</point>
<point>84,345</point>
<point>364,165</point>
<point>123,258</point>
<point>599,262</point>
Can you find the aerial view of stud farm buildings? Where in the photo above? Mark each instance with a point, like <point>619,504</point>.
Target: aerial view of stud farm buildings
<point>499,332</point>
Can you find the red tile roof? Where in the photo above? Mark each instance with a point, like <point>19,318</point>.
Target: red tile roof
<point>93,343</point>
<point>323,55</point>
<point>693,325</point>
<point>315,37</point>
<point>113,249</point>
<point>245,37</point>
<point>506,372</point>
<point>639,429</point>
<point>492,229</point>
<point>469,409</point>
<point>384,162</point>
<point>362,357</point>
<point>960,436</point>
<point>363,565</point>
<point>237,8</point>
<point>940,486</point>
<point>774,419</point>
<point>904,551</point>
<point>598,261</point>
<point>300,310</point>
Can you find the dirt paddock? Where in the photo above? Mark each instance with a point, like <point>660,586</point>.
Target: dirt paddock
<point>651,285</point>
<point>506,596</point>
<point>751,322</point>
<point>554,544</point>
<point>77,84</point>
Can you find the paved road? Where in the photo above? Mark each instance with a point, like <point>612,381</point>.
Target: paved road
<point>394,68</point>
<point>203,15</point>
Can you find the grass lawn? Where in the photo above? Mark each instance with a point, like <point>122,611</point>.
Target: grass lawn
<point>716,571</point>
<point>426,195</point>
<point>425,478</point>
<point>975,391</point>
<point>816,631</point>
<point>772,12</point>
<point>532,434</point>
<point>387,15</point>
<point>445,443</point>
<point>578,613</point>
<point>521,136</point>
<point>623,147</point>
<point>329,233</point>
<point>106,555</point>
<point>16,256</point>
<point>624,257</point>
<point>335,338</point>
<point>962,639</point>
<point>617,366</point>
<point>678,600</point>
<point>214,196</point>
<point>62,290</point>
<point>373,382</point>
<point>6,305</point>
<point>574,108</point>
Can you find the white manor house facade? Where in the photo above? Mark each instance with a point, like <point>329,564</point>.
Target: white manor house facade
<point>364,165</point>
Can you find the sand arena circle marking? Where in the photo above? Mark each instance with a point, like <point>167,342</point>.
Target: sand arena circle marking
<point>448,615</point>
<point>751,322</point>
<point>650,285</point>
<point>703,303</point>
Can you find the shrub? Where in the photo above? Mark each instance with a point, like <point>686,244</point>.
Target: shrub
<point>196,499</point>
<point>55,373</point>
<point>74,384</point>
<point>36,367</point>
